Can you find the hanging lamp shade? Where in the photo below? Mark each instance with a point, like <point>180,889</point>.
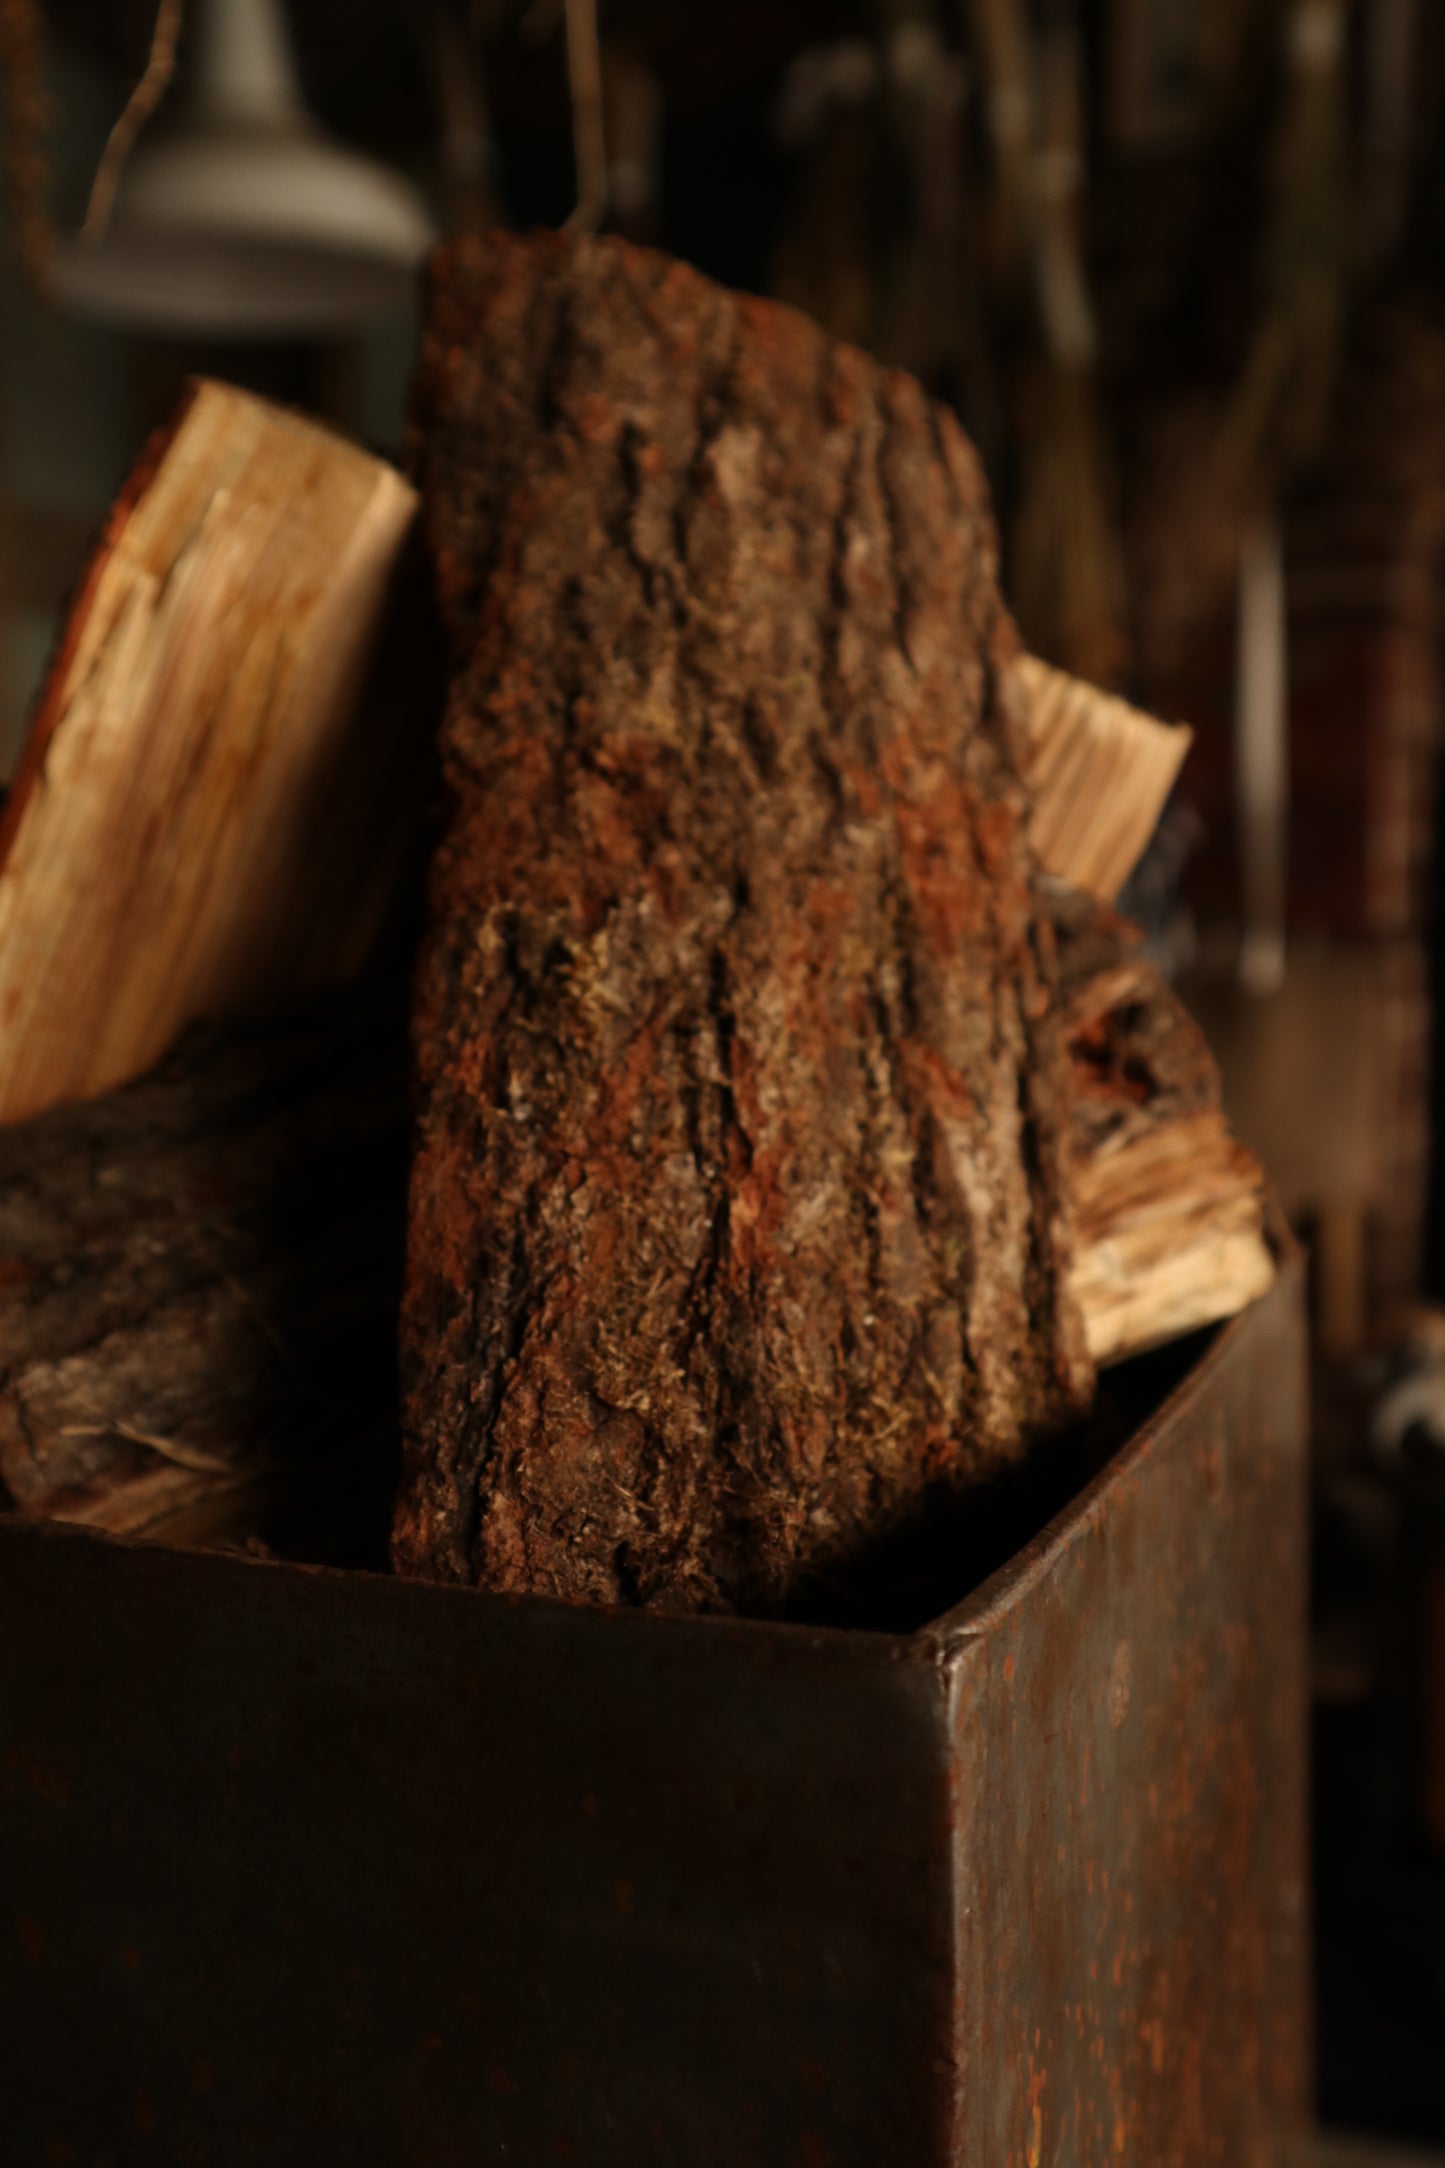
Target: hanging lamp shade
<point>241,217</point>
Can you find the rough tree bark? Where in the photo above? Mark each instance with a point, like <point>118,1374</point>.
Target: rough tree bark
<point>199,1276</point>
<point>736,1222</point>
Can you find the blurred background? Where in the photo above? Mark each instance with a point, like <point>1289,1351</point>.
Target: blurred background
<point>1177,264</point>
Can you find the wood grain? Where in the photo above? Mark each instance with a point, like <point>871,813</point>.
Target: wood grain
<point>203,818</point>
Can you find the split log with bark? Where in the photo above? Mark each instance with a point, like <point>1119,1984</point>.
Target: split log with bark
<point>1170,1212</point>
<point>208,815</point>
<point>739,1220</point>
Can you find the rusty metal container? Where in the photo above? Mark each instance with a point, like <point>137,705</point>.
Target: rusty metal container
<point>314,1868</point>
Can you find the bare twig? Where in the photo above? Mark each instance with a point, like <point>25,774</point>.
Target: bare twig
<point>584,74</point>
<point>155,81</point>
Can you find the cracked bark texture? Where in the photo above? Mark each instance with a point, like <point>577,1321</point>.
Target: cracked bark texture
<point>736,1225</point>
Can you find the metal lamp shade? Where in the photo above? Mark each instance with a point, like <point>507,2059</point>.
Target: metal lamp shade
<point>243,219</point>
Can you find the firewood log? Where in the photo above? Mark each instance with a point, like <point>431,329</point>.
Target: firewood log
<point>206,814</point>
<point>737,1216</point>
<point>199,1276</point>
<point>1170,1212</point>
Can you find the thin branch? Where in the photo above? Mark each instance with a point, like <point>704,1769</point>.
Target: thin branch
<point>589,143</point>
<point>159,68</point>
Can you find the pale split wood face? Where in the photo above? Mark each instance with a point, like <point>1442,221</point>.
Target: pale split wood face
<point>201,820</point>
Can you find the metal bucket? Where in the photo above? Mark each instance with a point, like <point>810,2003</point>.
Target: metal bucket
<point>309,1867</point>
